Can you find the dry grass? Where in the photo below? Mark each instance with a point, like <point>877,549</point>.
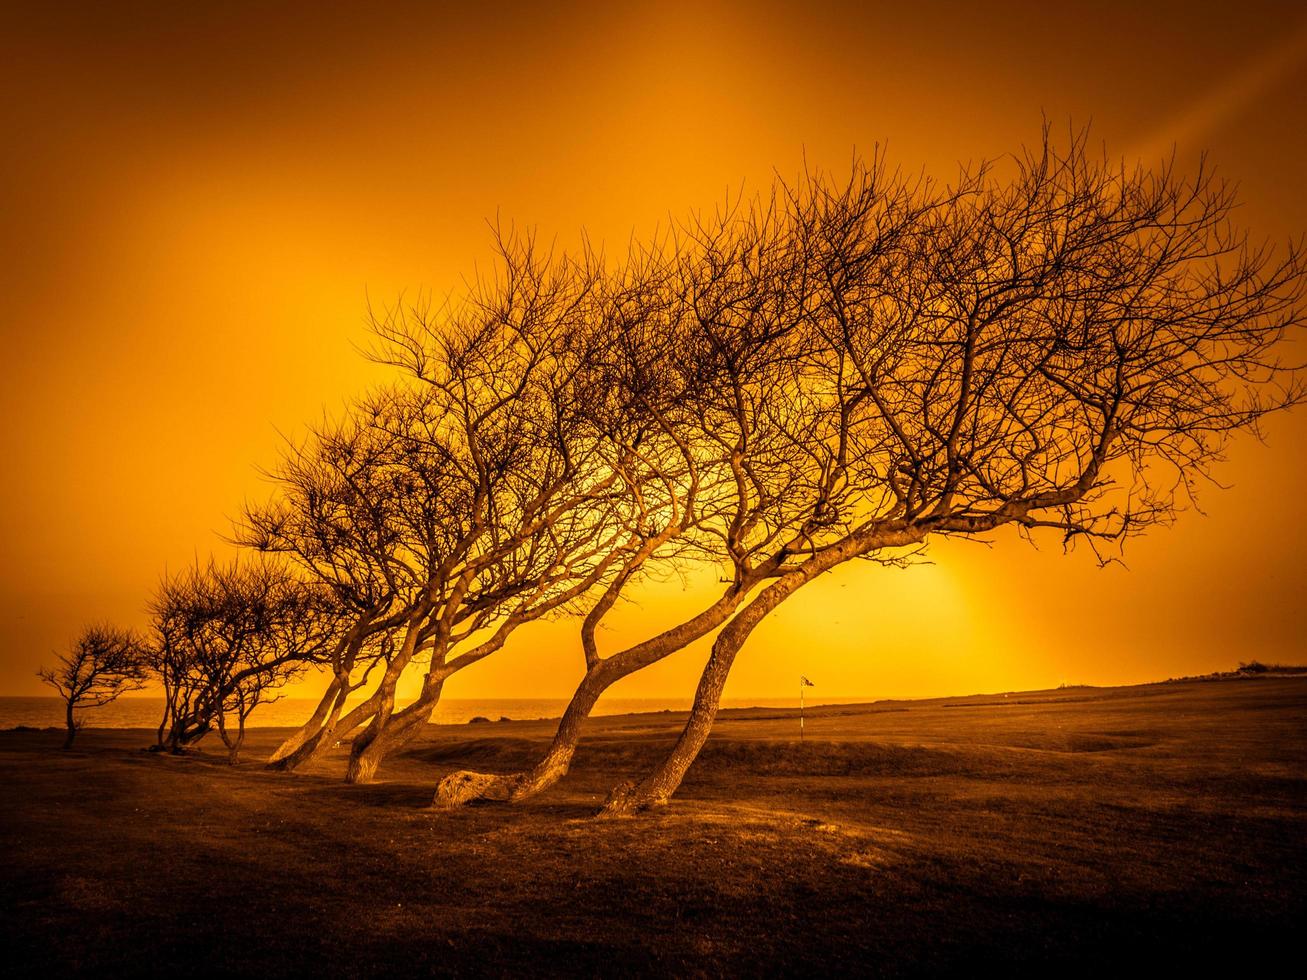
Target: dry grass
<point>1161,826</point>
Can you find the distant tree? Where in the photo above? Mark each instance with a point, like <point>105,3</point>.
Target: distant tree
<point>102,664</point>
<point>226,637</point>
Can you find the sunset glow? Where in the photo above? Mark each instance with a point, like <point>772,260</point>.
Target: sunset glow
<point>653,489</point>
<point>199,208</point>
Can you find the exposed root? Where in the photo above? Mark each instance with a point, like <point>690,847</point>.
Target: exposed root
<point>627,799</point>
<point>465,786</point>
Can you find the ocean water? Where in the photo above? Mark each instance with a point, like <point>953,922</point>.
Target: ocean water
<point>144,712</point>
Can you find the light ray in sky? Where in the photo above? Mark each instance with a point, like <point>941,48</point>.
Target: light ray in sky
<point>1222,102</point>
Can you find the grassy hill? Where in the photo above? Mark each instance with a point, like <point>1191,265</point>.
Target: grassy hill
<point>1161,826</point>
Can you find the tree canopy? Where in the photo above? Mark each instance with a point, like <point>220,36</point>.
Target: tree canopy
<point>836,370</point>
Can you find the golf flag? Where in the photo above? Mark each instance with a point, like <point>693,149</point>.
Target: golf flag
<point>806,682</point>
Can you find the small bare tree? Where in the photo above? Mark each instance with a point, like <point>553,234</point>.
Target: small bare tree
<point>102,665</point>
<point>226,637</point>
<point>246,695</point>
<point>334,517</point>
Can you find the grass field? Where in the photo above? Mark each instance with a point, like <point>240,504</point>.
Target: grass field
<point>1158,827</point>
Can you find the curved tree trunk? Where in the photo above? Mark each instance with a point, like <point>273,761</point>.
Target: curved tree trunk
<point>235,742</point>
<point>377,705</point>
<point>363,760</point>
<point>332,730</point>
<point>167,713</point>
<point>554,764</point>
<point>396,732</point>
<point>328,706</point>
<point>467,786</point>
<point>72,725</point>
<point>186,729</point>
<point>657,788</point>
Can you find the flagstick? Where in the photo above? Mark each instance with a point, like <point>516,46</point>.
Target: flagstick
<point>800,710</point>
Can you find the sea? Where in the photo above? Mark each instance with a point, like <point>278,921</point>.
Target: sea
<point>145,712</point>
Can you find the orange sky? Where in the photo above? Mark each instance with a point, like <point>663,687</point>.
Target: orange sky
<point>196,204</point>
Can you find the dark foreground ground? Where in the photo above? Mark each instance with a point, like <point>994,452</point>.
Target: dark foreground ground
<point>1132,828</point>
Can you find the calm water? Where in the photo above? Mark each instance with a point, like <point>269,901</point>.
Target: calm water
<point>291,712</point>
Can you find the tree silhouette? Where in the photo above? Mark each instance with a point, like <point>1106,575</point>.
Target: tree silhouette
<point>471,500</point>
<point>226,637</point>
<point>1069,349</point>
<point>706,365</point>
<point>101,665</point>
<point>837,370</point>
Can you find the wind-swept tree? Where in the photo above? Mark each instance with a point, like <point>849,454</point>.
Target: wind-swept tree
<point>707,368</point>
<point>478,493</point>
<point>1070,349</point>
<point>226,637</point>
<point>101,665</point>
<point>334,517</point>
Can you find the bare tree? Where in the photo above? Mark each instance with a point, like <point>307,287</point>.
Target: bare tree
<point>451,510</point>
<point>540,489</point>
<point>246,695</point>
<point>839,371</point>
<point>226,637</point>
<point>334,517</point>
<point>102,665</point>
<point>1070,349</point>
<point>708,369</point>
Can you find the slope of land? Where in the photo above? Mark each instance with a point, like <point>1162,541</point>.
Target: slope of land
<point>1162,826</point>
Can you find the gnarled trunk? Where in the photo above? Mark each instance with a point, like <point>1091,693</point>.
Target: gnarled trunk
<point>367,754</point>
<point>657,788</point>
<point>328,706</point>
